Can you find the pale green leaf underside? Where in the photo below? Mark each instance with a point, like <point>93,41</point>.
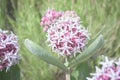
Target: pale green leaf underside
<point>43,54</point>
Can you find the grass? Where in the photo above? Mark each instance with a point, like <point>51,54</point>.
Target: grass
<point>95,15</point>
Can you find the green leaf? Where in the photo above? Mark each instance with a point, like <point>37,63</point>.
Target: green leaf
<point>12,74</point>
<point>43,54</point>
<point>75,75</point>
<point>103,28</point>
<point>84,70</point>
<point>90,51</point>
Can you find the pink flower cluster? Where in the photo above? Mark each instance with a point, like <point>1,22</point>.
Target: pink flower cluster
<point>110,70</point>
<point>8,50</point>
<point>50,17</point>
<point>66,35</point>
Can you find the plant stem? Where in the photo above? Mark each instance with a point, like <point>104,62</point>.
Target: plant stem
<point>67,76</point>
<point>68,72</point>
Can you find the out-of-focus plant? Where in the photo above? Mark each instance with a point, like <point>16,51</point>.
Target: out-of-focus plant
<point>9,57</point>
<point>110,70</point>
<point>67,37</point>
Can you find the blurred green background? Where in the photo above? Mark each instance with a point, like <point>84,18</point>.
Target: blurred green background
<point>23,18</point>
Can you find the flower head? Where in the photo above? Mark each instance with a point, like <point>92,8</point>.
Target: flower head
<point>50,17</point>
<point>110,70</point>
<point>8,50</point>
<point>66,35</point>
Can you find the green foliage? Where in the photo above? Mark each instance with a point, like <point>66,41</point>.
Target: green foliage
<point>12,74</point>
<point>44,55</point>
<point>82,71</point>
<point>2,13</point>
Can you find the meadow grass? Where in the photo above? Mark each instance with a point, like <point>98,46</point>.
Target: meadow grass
<point>95,15</point>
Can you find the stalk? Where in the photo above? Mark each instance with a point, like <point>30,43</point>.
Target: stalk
<point>67,75</point>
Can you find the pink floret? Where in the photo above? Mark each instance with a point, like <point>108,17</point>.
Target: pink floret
<point>50,17</point>
<point>8,50</point>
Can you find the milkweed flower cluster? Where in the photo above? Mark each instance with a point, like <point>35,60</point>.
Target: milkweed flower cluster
<point>65,34</point>
<point>110,70</point>
<point>50,17</point>
<point>8,50</point>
